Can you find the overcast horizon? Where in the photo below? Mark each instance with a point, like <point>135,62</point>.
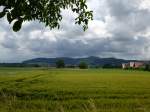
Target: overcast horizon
<point>120,29</point>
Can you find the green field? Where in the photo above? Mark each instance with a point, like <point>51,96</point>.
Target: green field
<point>66,90</point>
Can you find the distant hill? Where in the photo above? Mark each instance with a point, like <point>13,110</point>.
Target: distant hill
<point>92,61</point>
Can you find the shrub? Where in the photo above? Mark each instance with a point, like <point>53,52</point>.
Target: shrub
<point>83,65</point>
<point>147,67</point>
<point>60,64</point>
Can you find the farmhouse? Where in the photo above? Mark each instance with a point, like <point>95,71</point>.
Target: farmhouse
<point>133,65</point>
<point>125,65</point>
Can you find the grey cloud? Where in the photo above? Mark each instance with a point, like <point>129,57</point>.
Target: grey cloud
<point>122,8</point>
<point>9,43</point>
<point>127,26</point>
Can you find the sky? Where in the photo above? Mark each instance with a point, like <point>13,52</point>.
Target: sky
<point>120,29</point>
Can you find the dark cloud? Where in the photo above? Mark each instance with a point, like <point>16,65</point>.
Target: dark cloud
<point>120,29</point>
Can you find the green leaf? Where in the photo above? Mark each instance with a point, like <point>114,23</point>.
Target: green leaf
<point>17,25</point>
<point>45,11</point>
<point>9,19</point>
<point>2,14</point>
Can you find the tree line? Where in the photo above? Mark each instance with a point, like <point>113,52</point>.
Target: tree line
<point>61,64</point>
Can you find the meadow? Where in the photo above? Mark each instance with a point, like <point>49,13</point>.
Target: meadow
<point>74,90</point>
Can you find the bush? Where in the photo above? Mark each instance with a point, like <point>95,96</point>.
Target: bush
<point>147,67</point>
<point>111,66</point>
<point>60,64</point>
<point>108,66</point>
<point>83,65</point>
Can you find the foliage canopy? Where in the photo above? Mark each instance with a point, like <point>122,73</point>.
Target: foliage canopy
<point>45,11</point>
<point>83,65</point>
<point>60,63</point>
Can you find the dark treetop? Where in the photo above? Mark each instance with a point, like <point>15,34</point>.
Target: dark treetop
<point>45,11</point>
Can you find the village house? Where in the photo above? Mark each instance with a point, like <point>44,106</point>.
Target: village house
<point>125,65</point>
<point>133,65</point>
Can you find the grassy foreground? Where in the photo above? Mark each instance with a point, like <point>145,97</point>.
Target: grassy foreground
<point>51,90</point>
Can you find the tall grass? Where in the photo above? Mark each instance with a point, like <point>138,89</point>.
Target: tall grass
<point>66,90</point>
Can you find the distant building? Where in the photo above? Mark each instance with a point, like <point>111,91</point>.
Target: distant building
<point>133,65</point>
<point>125,65</point>
<point>138,64</point>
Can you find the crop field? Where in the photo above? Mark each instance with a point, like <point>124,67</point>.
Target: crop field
<point>68,90</point>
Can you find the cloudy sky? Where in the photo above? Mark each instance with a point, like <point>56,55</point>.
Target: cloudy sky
<point>121,29</point>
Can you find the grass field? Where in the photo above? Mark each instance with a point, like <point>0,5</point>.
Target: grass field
<point>51,90</point>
